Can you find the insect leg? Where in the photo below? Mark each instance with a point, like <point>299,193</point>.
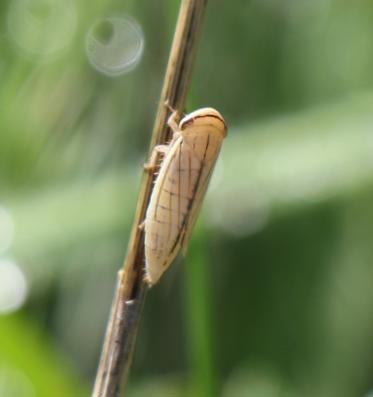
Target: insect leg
<point>173,122</point>
<point>151,165</point>
<point>170,108</point>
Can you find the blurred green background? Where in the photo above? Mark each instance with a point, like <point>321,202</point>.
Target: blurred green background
<point>275,297</point>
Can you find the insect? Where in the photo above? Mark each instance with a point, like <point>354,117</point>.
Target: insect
<point>181,184</point>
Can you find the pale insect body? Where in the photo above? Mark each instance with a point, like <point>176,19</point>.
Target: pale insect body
<point>180,186</point>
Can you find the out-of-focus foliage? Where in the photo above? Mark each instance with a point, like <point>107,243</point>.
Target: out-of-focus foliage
<point>273,298</point>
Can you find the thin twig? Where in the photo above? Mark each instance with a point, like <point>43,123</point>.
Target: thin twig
<point>131,290</point>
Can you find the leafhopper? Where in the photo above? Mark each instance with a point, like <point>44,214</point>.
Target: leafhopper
<point>180,186</point>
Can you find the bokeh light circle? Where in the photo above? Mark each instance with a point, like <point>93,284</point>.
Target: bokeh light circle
<point>13,286</point>
<point>42,28</point>
<point>115,45</point>
<point>14,383</point>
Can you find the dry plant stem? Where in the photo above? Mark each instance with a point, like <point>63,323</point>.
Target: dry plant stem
<point>131,290</point>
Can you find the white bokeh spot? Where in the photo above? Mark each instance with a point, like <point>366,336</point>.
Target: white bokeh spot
<point>13,286</point>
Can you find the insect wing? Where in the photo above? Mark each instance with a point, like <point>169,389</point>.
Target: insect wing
<point>168,208</point>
